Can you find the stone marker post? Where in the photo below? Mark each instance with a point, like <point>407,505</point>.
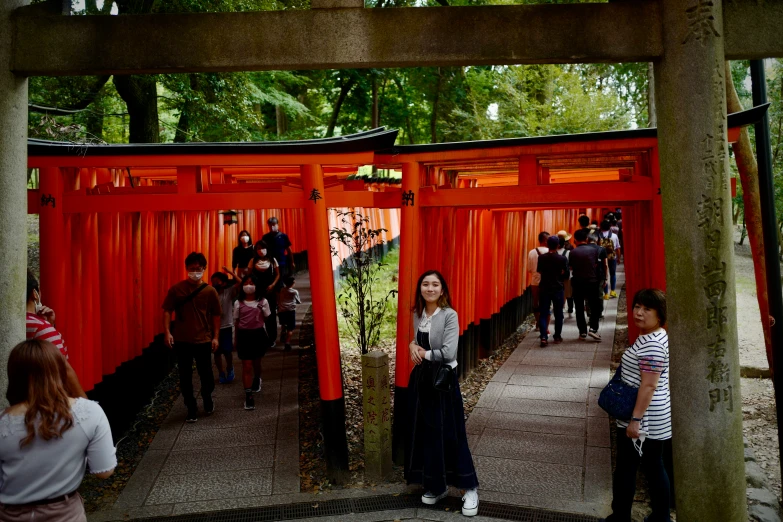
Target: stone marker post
<point>709,471</point>
<point>377,422</point>
<point>13,193</point>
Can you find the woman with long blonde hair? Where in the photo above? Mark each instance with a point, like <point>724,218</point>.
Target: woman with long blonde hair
<point>48,439</point>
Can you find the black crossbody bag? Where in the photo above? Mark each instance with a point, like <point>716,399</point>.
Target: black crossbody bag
<point>178,308</point>
<point>442,375</point>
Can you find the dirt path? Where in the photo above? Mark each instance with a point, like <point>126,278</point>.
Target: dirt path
<point>749,330</point>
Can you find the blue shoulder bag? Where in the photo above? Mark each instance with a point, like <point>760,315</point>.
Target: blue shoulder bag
<point>618,398</point>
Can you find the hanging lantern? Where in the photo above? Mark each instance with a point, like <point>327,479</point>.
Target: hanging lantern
<point>229,217</point>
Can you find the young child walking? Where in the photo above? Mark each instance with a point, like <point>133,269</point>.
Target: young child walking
<point>251,340</point>
<point>227,290</point>
<point>286,310</point>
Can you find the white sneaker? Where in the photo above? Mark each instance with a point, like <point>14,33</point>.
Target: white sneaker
<point>594,335</point>
<point>430,498</point>
<point>470,503</point>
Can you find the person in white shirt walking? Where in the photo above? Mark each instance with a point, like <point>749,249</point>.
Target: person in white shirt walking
<point>532,269</point>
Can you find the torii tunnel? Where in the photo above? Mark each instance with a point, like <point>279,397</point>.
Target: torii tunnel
<point>116,222</point>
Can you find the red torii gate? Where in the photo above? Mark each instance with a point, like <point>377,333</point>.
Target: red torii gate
<point>98,203</point>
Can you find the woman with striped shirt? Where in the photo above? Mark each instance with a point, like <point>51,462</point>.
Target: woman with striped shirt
<point>645,365</point>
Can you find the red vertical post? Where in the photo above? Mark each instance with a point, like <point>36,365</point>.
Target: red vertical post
<point>52,234</point>
<point>327,342</point>
<point>409,239</point>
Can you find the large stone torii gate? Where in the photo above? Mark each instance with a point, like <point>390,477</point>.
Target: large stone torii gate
<point>687,41</point>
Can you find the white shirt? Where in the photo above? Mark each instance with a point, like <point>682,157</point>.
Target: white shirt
<point>264,265</point>
<point>52,468</point>
<point>532,264</point>
<point>613,237</point>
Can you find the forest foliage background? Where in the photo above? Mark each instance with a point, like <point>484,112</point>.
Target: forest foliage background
<point>427,105</point>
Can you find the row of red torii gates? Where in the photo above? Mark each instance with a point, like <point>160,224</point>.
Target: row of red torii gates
<point>116,222</point>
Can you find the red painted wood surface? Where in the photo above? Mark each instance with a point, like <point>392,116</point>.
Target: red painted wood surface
<point>118,236</point>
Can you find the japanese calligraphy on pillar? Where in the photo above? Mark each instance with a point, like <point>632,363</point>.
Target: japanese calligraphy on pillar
<point>315,196</point>
<point>377,414</point>
<point>701,21</point>
<point>710,221</point>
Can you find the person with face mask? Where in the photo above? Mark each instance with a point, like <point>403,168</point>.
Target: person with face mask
<point>266,271</point>
<point>250,313</point>
<point>280,248</point>
<point>40,325</point>
<point>191,325</point>
<point>242,254</point>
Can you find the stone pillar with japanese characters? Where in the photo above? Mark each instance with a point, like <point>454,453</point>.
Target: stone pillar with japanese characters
<point>13,192</point>
<point>709,470</point>
<point>376,405</point>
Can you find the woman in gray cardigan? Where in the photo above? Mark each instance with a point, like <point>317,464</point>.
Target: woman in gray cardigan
<point>437,454</point>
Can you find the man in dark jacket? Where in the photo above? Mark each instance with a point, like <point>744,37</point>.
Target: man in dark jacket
<point>584,260</point>
<point>554,270</point>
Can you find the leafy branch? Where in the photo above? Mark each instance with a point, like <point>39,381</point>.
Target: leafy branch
<point>359,304</point>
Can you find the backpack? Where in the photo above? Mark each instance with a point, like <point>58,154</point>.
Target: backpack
<point>607,243</point>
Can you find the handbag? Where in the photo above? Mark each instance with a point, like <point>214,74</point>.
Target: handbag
<point>442,376</point>
<point>618,399</point>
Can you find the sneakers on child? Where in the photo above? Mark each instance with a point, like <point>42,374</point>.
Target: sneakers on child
<point>613,294</point>
<point>250,403</point>
<point>230,376</point>
<point>606,297</point>
<point>470,503</point>
<point>222,378</point>
<point>256,385</point>
<point>431,498</point>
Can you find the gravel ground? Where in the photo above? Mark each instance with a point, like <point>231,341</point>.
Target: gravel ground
<point>759,425</point>
<point>749,331</point>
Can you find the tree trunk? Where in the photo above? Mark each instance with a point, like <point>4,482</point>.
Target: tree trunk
<point>182,133</point>
<point>374,115</point>
<point>281,120</point>
<point>139,92</point>
<point>344,90</point>
<point>408,126</point>
<point>751,197</point>
<point>652,119</point>
<point>434,117</point>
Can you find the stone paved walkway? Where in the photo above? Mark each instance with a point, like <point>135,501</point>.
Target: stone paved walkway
<point>233,458</point>
<point>537,434</point>
<point>538,438</point>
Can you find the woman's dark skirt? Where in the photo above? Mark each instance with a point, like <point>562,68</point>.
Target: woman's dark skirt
<point>436,448</point>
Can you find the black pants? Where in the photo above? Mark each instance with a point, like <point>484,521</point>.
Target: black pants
<point>587,291</point>
<point>202,353</point>
<point>624,480</point>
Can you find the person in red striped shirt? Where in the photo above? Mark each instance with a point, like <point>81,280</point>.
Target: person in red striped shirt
<point>40,325</point>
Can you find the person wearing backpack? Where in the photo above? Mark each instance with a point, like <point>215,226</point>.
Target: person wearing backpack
<point>611,243</point>
<point>191,323</point>
<point>535,275</point>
